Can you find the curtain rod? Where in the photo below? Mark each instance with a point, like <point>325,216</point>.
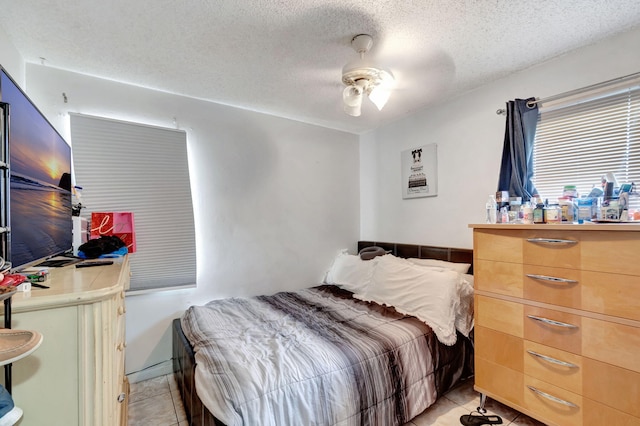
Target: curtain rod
<point>579,91</point>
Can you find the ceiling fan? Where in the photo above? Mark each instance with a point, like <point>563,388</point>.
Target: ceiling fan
<point>363,77</point>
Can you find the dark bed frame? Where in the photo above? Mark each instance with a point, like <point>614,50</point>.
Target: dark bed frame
<point>184,363</point>
<point>456,255</point>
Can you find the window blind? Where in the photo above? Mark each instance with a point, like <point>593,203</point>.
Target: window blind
<point>129,167</point>
<point>578,143</point>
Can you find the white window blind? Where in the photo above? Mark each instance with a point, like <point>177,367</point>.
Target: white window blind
<point>129,167</point>
<point>578,142</point>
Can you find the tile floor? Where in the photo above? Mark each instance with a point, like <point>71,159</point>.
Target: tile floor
<point>156,402</point>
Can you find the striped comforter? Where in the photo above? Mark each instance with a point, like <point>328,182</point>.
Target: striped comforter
<point>316,357</point>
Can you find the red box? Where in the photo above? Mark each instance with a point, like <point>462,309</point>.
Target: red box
<point>119,224</point>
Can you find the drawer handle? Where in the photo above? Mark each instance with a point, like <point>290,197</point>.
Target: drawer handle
<point>550,241</point>
<point>552,322</point>
<point>553,398</point>
<point>552,279</point>
<point>552,360</point>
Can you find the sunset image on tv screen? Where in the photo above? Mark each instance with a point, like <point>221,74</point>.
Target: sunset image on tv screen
<point>40,187</point>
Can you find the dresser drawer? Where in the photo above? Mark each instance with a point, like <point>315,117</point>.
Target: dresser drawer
<point>499,381</point>
<point>616,387</point>
<point>615,252</point>
<point>596,414</point>
<point>612,343</point>
<point>552,365</point>
<point>499,315</point>
<point>552,403</point>
<point>499,277</point>
<point>498,348</point>
<point>612,294</point>
<point>496,244</point>
<point>553,328</point>
<point>553,249</point>
<point>557,286</point>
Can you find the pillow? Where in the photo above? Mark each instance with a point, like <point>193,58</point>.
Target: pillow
<point>350,272</point>
<point>430,294</point>
<point>464,313</point>
<point>369,253</point>
<point>461,268</point>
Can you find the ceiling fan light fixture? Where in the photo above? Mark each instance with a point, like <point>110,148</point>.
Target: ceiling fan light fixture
<point>352,98</point>
<point>379,95</point>
<point>353,110</point>
<point>374,81</point>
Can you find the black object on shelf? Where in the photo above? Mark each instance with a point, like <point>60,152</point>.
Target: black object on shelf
<point>7,324</point>
<point>94,263</point>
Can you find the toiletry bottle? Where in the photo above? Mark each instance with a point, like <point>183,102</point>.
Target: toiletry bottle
<point>527,213</point>
<point>538,213</point>
<point>492,209</point>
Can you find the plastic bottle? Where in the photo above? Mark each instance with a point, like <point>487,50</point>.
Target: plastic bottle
<point>567,208</point>
<point>527,213</point>
<point>492,209</point>
<point>504,215</point>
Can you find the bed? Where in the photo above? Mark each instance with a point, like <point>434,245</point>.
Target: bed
<point>325,355</point>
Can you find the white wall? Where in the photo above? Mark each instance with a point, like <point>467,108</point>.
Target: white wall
<point>274,198</point>
<point>11,59</point>
<point>469,136</point>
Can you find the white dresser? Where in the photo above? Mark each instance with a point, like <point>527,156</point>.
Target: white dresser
<point>76,377</point>
<point>557,321</point>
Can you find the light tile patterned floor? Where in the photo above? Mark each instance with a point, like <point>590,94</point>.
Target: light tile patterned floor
<point>156,402</point>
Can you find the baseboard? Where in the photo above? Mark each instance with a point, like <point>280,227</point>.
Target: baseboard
<point>162,369</point>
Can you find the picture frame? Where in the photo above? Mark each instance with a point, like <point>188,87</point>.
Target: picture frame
<point>420,171</point>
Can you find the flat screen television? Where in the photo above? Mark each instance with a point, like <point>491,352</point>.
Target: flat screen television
<point>40,218</point>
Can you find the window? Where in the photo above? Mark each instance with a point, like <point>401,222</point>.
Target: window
<point>129,167</point>
<point>581,138</point>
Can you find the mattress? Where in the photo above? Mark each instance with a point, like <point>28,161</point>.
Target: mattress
<point>316,356</point>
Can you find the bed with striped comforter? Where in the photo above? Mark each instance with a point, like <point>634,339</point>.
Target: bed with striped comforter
<point>317,357</point>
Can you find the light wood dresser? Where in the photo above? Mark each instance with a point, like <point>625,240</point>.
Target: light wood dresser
<point>557,321</point>
<point>76,377</point>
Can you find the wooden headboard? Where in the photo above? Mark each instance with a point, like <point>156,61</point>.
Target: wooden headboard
<point>449,254</point>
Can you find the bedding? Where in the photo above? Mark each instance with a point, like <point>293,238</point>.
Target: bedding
<point>350,272</point>
<point>317,356</point>
<point>462,268</point>
<point>432,294</point>
<point>437,292</point>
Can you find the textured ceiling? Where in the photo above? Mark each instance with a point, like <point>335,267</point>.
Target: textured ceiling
<point>284,57</point>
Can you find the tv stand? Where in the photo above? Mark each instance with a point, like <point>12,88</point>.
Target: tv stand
<point>77,374</point>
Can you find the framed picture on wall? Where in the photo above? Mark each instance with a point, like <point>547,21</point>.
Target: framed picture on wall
<point>420,172</point>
